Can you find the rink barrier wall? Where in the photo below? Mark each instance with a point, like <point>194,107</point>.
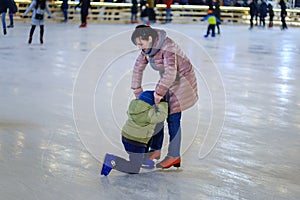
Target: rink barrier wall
<point>119,13</point>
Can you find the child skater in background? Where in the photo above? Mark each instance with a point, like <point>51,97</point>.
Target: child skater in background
<point>271,15</point>
<point>143,116</point>
<point>39,8</point>
<point>212,21</point>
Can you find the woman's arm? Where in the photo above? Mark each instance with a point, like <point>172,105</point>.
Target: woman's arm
<point>137,74</point>
<point>32,5</point>
<point>48,10</point>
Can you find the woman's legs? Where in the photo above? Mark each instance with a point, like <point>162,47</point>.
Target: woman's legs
<point>284,26</point>
<point>11,20</point>
<point>251,21</point>
<point>65,12</point>
<point>84,14</point>
<point>174,127</point>
<point>31,33</point>
<point>41,34</point>
<point>156,141</point>
<point>3,22</point>
<point>173,156</point>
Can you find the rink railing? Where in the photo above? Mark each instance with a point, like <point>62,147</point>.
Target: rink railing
<point>119,13</point>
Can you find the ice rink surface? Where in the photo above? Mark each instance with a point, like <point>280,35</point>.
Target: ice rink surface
<point>63,104</point>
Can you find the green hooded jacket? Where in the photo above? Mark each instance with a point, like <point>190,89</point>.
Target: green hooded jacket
<point>142,119</point>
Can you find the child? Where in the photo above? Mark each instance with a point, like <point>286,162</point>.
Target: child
<point>39,7</point>
<point>271,15</point>
<point>143,116</point>
<point>212,21</point>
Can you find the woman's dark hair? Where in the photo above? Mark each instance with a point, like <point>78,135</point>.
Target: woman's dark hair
<point>143,32</point>
<point>42,4</point>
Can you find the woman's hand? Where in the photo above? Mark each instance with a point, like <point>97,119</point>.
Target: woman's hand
<point>157,98</point>
<point>137,92</point>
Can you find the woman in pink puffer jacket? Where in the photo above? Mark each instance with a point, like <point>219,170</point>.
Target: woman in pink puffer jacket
<point>177,84</point>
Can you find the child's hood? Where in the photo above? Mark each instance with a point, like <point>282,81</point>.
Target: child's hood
<point>138,111</point>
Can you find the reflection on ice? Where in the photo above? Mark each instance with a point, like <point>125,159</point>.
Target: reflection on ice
<point>42,156</point>
<point>285,73</point>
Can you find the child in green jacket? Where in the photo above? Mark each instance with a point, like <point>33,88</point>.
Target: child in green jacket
<point>143,116</point>
<point>212,21</point>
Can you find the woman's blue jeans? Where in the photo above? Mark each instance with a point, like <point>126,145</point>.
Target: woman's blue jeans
<point>65,12</point>
<point>3,20</point>
<point>11,19</point>
<point>174,126</point>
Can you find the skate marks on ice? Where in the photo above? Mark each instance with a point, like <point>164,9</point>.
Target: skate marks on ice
<point>210,108</point>
<point>15,124</point>
<point>36,47</point>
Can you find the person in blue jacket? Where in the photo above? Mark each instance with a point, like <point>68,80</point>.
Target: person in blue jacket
<point>212,21</point>
<point>263,11</point>
<point>4,5</point>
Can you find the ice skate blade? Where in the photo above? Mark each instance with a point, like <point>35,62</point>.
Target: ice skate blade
<point>171,169</point>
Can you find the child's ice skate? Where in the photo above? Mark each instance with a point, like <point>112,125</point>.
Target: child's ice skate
<point>108,164</point>
<point>148,164</point>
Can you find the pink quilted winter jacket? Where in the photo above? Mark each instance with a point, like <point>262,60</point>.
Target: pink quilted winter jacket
<point>176,72</point>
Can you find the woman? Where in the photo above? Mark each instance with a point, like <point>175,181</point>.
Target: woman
<point>283,14</point>
<point>177,84</point>
<point>39,8</point>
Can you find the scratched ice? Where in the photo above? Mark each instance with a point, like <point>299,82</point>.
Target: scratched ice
<point>63,104</point>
